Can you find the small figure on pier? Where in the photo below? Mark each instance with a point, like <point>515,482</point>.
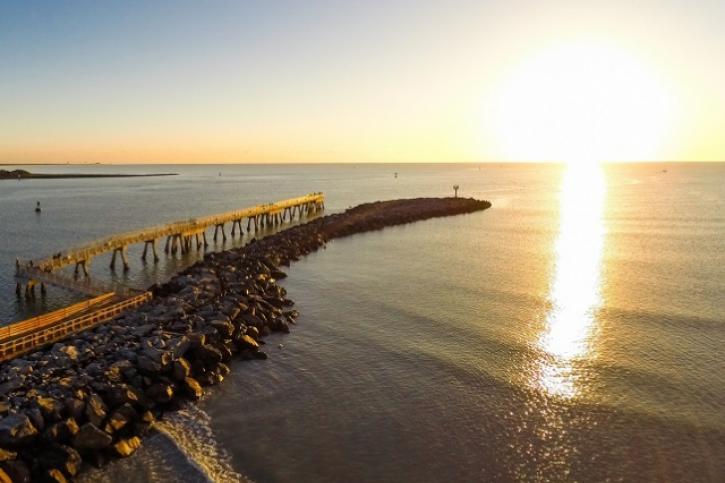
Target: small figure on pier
<point>37,207</point>
<point>455,190</point>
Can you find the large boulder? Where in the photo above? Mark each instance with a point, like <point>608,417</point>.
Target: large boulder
<point>61,432</point>
<point>16,471</point>
<point>209,354</point>
<point>50,408</point>
<point>160,392</point>
<point>193,388</point>
<point>16,429</point>
<point>246,342</point>
<point>181,369</point>
<point>7,455</point>
<point>178,346</point>
<point>120,418</point>
<point>126,447</point>
<point>74,408</point>
<point>96,409</point>
<point>91,437</point>
<point>57,457</point>
<point>223,327</point>
<point>121,394</point>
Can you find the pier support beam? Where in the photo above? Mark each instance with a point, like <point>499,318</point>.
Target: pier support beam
<point>83,266</point>
<point>124,258</point>
<point>218,227</point>
<point>235,224</point>
<point>30,289</point>
<point>152,244</point>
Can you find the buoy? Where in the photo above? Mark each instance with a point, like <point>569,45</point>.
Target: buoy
<point>37,207</point>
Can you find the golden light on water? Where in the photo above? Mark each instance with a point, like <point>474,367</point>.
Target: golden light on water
<point>575,291</point>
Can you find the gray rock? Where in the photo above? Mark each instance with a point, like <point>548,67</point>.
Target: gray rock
<point>209,354</point>
<point>61,432</point>
<point>50,408</point>
<point>96,409</point>
<point>178,346</point>
<point>6,455</point>
<point>182,369</point>
<point>224,328</point>
<point>120,418</point>
<point>16,429</point>
<point>143,330</point>
<point>126,447</point>
<point>149,366</point>
<point>90,437</point>
<point>61,458</point>
<point>160,393</point>
<point>193,388</point>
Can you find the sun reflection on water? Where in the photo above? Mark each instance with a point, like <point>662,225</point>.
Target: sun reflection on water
<point>575,293</point>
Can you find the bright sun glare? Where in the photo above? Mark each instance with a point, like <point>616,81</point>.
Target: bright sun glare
<point>583,102</point>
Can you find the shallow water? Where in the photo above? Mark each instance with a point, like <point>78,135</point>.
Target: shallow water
<point>573,332</point>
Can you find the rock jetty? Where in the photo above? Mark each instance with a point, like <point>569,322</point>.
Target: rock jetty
<point>93,396</point>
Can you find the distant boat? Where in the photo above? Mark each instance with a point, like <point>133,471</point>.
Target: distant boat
<point>37,207</point>
<point>664,170</point>
<point>396,174</point>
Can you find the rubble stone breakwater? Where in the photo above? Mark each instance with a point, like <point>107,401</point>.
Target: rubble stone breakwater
<point>92,396</point>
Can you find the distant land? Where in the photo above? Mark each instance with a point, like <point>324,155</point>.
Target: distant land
<point>22,174</point>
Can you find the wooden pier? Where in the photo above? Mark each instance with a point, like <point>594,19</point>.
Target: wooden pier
<point>181,236</point>
<point>107,303</point>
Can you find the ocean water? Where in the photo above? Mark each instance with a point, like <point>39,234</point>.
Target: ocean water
<point>573,332</point>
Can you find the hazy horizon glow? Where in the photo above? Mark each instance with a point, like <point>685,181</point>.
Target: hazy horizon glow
<point>399,81</point>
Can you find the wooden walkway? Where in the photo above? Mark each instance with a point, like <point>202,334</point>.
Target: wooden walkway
<point>179,237</point>
<point>28,335</point>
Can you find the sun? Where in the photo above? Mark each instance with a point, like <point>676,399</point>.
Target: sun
<point>582,102</point>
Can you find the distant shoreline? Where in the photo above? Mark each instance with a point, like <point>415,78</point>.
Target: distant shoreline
<point>19,174</point>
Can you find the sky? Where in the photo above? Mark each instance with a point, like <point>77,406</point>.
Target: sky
<point>349,81</point>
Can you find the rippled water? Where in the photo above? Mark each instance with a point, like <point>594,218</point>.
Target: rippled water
<point>573,332</point>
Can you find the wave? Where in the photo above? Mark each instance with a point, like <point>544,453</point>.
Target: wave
<point>181,449</point>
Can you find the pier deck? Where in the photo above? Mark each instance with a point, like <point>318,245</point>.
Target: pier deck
<point>179,236</point>
<point>25,336</point>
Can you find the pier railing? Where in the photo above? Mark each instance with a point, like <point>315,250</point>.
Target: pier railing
<point>29,335</point>
<point>23,336</point>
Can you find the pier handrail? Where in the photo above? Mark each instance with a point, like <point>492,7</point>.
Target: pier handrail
<point>36,323</point>
<point>34,339</point>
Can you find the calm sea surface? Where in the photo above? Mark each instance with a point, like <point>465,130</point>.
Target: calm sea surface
<point>573,332</point>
